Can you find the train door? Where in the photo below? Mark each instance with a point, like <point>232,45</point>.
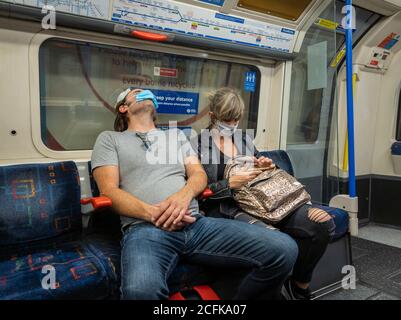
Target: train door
<point>311,128</point>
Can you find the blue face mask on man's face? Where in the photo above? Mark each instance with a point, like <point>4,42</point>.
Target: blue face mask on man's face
<point>147,95</point>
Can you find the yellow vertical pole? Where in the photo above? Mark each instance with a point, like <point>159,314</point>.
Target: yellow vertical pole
<point>345,158</point>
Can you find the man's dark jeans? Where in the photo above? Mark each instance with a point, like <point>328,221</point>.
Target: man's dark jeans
<point>149,255</point>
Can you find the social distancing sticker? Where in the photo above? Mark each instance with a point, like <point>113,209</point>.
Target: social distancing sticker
<point>177,102</point>
<point>328,24</point>
<point>340,56</point>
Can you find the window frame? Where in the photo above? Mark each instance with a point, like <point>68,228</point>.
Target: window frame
<point>110,40</point>
<point>398,119</point>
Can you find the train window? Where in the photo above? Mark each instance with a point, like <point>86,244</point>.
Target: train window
<point>306,94</point>
<point>79,83</point>
<point>398,134</point>
<point>310,105</point>
<point>287,9</point>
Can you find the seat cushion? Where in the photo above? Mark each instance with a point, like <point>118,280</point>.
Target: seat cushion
<point>341,220</point>
<point>84,269</point>
<point>38,201</point>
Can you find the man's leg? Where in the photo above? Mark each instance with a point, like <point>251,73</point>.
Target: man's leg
<point>148,257</point>
<point>228,243</point>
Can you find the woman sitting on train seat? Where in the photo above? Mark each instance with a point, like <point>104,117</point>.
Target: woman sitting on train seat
<point>310,227</point>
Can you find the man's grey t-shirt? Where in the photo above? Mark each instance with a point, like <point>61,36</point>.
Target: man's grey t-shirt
<point>152,170</point>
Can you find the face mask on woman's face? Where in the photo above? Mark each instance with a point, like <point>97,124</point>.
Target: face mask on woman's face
<point>225,129</point>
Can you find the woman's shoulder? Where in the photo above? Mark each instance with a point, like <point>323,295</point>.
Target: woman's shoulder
<point>201,138</point>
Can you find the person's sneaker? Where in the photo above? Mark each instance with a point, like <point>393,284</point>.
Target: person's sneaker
<point>284,292</point>
<point>292,292</point>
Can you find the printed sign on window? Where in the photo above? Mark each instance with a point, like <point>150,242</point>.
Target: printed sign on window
<point>165,72</point>
<point>176,102</point>
<point>250,81</point>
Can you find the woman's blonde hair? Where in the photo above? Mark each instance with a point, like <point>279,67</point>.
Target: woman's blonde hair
<point>226,105</point>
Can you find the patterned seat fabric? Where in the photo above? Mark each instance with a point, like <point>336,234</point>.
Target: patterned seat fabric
<point>81,271</point>
<point>41,229</point>
<point>38,201</point>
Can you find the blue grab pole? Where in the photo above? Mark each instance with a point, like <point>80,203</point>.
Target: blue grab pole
<point>350,101</point>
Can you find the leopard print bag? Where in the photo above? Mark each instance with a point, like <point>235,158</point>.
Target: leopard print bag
<point>271,196</point>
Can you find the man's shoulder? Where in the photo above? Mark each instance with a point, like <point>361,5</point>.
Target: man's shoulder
<point>108,138</point>
<point>108,134</point>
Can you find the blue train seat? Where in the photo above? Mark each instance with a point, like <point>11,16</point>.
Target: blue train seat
<point>396,148</point>
<point>41,225</point>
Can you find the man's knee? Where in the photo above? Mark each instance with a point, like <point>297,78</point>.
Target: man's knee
<point>150,292</point>
<point>290,253</point>
<point>284,252</point>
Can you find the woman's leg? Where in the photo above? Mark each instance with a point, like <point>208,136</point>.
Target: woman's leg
<point>311,228</point>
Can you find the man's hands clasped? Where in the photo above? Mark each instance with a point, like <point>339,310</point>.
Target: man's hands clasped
<point>172,214</point>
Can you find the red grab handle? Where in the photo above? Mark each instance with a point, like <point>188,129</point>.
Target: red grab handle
<point>150,36</point>
<point>98,202</point>
<point>207,193</point>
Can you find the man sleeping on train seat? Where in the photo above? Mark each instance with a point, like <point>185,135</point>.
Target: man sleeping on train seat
<point>156,199</point>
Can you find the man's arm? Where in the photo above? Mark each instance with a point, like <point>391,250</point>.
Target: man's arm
<point>107,179</point>
<point>175,207</point>
<point>196,177</point>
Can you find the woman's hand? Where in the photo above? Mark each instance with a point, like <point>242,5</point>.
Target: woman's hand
<point>264,162</point>
<point>242,178</point>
